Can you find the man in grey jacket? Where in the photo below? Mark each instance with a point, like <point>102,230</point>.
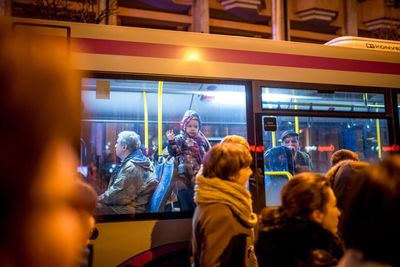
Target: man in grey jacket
<point>132,183</point>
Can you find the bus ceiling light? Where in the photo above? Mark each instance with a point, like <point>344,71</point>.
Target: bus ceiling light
<point>226,98</point>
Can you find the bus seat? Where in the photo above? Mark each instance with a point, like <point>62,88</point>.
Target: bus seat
<point>159,166</point>
<point>279,158</point>
<point>163,189</point>
<point>279,168</point>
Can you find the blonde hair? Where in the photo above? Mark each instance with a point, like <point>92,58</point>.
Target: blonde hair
<point>236,139</point>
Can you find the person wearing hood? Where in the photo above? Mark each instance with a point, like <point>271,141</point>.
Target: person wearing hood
<point>133,181</point>
<point>188,148</point>
<point>223,221</point>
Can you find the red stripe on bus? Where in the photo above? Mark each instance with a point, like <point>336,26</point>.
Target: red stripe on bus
<point>151,255</point>
<point>125,48</point>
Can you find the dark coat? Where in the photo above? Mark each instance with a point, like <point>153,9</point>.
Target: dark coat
<point>295,242</point>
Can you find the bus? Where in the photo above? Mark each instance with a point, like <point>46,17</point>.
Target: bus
<point>145,79</point>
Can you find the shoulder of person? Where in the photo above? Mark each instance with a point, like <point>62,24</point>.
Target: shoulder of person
<point>319,258</point>
<point>304,154</point>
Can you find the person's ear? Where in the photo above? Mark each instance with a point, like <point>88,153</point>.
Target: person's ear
<point>316,216</point>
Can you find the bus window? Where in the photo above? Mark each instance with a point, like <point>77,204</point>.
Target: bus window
<point>319,137</point>
<point>150,108</point>
<point>295,99</point>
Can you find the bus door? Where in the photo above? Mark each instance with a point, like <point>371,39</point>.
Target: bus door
<point>323,121</point>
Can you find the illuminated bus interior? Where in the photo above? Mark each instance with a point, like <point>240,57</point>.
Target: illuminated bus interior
<point>150,108</point>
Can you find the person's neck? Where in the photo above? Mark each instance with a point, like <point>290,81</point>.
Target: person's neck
<point>124,155</point>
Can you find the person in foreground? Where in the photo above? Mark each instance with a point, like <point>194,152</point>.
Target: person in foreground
<point>302,232</point>
<point>371,225</point>
<point>223,220</point>
<point>40,115</point>
<point>343,177</point>
<point>343,154</point>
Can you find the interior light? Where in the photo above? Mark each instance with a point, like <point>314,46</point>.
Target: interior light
<point>231,98</point>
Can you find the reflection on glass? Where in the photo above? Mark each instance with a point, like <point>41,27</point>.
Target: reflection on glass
<point>295,99</point>
<point>150,108</point>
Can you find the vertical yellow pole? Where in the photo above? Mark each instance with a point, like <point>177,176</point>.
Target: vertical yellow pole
<point>160,113</point>
<point>273,139</point>
<point>378,138</point>
<point>146,120</point>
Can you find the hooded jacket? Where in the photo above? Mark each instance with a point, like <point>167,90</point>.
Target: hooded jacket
<point>131,186</point>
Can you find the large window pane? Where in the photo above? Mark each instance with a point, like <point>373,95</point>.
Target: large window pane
<point>150,108</point>
<point>321,136</point>
<point>318,138</point>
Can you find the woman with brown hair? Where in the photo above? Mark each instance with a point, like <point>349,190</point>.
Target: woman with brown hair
<point>223,220</point>
<point>302,232</point>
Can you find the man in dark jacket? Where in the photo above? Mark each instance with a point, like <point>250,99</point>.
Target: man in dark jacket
<point>132,183</point>
<point>302,160</point>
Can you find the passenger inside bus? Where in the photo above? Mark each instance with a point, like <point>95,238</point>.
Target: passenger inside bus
<point>188,148</point>
<point>302,160</point>
<point>133,181</point>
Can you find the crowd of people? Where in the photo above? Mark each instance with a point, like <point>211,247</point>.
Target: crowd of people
<point>349,216</point>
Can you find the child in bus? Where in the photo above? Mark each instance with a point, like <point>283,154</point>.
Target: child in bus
<point>188,148</point>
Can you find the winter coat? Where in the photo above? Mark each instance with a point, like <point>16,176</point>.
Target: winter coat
<point>223,225</point>
<point>131,186</point>
<point>296,242</point>
<point>219,238</point>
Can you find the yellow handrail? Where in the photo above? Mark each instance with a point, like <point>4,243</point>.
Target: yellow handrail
<point>288,174</point>
<point>146,120</point>
<point>378,137</point>
<point>296,119</point>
